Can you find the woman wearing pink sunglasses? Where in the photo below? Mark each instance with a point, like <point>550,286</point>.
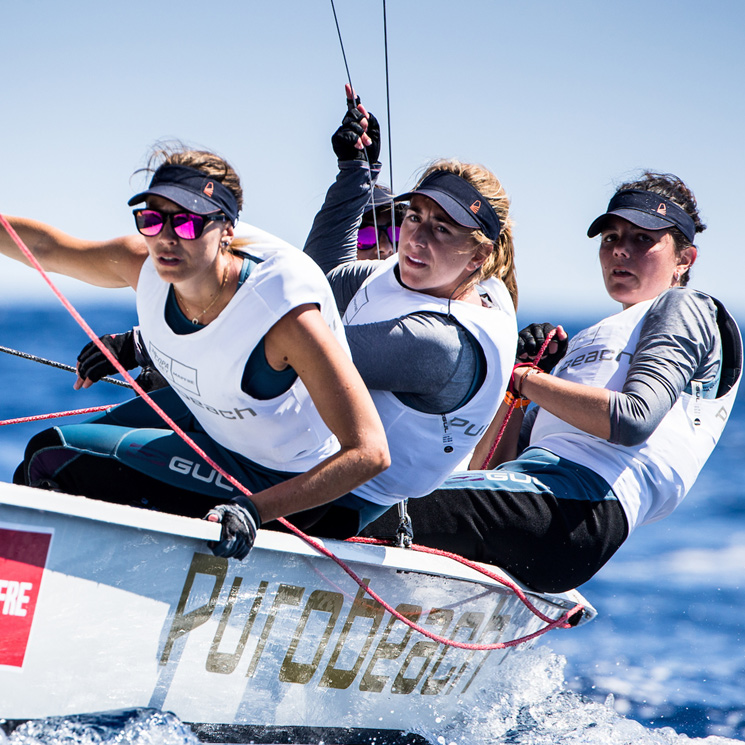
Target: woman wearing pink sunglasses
<point>380,228</point>
<point>245,330</point>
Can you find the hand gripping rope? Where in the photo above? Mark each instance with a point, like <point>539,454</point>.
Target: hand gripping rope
<point>514,402</point>
<point>563,621</point>
<point>59,366</point>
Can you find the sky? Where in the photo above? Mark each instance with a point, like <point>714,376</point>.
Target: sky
<point>562,100</point>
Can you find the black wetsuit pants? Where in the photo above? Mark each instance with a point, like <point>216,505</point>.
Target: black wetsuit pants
<point>549,544</point>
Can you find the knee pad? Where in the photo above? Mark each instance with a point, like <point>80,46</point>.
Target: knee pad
<point>44,455</point>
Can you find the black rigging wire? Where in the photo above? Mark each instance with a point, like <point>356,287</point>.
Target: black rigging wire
<point>388,95</point>
<point>341,44</point>
<point>59,365</point>
<point>364,150</point>
<point>390,137</point>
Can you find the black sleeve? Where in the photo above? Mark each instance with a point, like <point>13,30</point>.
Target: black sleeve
<point>332,240</point>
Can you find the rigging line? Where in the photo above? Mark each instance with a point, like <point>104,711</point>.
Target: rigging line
<point>390,136</point>
<point>59,365</point>
<point>388,95</point>
<point>364,150</point>
<point>341,44</point>
<point>56,415</point>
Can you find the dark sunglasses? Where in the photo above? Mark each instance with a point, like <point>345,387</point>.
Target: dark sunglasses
<point>367,237</point>
<point>186,225</point>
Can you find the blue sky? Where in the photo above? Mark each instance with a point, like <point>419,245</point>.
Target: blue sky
<point>561,100</point>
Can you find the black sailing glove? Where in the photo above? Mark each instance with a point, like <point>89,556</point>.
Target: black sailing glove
<point>531,339</point>
<point>240,521</point>
<point>94,365</point>
<point>345,138</point>
<point>150,380</point>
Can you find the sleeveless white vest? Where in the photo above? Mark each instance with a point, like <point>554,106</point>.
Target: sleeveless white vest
<point>205,368</point>
<point>650,479</point>
<point>426,448</point>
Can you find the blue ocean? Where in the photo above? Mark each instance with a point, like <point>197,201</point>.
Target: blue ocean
<point>664,661</point>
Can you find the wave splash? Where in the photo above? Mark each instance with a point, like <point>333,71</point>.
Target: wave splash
<point>529,705</point>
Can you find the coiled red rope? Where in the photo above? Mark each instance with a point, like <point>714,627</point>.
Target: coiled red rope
<point>563,621</point>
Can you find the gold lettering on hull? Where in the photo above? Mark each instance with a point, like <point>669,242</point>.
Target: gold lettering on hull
<point>398,659</point>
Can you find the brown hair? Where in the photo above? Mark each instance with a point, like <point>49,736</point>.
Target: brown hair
<point>177,154</point>
<point>499,258</point>
<point>673,188</point>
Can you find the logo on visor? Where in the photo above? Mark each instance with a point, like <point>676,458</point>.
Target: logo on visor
<point>209,188</point>
<point>475,207</point>
<point>662,208</point>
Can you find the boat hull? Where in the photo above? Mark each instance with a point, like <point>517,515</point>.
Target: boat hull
<point>108,607</point>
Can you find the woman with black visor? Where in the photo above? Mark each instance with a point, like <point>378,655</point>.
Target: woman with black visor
<point>245,330</point>
<point>432,328</point>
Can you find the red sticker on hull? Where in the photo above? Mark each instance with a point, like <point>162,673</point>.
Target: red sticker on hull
<point>23,555</point>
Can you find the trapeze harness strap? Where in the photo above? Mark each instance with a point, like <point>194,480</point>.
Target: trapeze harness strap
<point>206,368</point>
<point>426,448</point>
<point>650,479</point>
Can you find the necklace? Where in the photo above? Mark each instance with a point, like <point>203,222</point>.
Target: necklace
<point>195,319</point>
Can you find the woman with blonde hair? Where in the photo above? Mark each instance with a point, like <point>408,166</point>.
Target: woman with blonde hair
<point>432,328</point>
<point>245,330</point>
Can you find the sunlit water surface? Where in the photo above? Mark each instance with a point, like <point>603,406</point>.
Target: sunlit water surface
<point>664,662</point>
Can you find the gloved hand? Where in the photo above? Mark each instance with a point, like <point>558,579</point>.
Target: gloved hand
<point>93,364</point>
<point>150,380</point>
<point>531,339</point>
<point>240,521</point>
<point>345,138</point>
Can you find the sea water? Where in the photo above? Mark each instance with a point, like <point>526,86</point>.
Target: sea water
<point>664,661</point>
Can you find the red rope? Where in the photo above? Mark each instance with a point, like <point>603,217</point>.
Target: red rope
<point>513,404</point>
<point>39,417</point>
<point>471,565</point>
<point>563,621</point>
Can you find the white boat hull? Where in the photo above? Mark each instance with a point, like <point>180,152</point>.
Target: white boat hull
<point>108,607</point>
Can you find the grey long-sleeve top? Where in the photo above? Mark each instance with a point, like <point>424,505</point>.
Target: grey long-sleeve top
<point>428,360</point>
<point>679,342</point>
